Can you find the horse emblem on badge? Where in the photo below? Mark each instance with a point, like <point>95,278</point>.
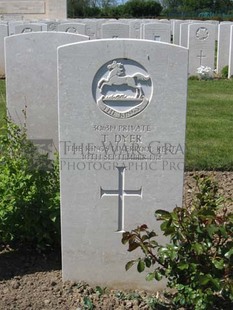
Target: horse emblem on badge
<point>122,88</point>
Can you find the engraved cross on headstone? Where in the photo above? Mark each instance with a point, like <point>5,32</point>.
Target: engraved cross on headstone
<point>121,193</point>
<point>201,56</point>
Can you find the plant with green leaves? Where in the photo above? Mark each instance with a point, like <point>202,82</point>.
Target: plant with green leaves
<point>87,303</point>
<point>29,191</point>
<point>197,262</point>
<point>224,72</point>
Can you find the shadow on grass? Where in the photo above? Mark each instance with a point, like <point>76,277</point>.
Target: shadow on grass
<point>19,262</point>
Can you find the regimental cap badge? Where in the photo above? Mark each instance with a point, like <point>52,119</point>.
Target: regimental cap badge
<point>122,88</point>
<point>202,33</point>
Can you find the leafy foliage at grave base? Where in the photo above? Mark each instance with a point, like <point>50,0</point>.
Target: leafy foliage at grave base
<point>198,260</point>
<point>224,72</point>
<point>29,192</point>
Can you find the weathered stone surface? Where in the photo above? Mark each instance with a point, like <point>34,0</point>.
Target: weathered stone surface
<point>122,107</point>
<point>31,82</point>
<point>157,31</point>
<point>3,34</point>
<point>115,30</point>
<point>201,44</point>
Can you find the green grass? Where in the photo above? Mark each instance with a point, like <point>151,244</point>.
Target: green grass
<point>2,102</point>
<point>209,135</point>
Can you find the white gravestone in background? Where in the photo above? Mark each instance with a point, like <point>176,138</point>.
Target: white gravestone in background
<point>224,30</point>
<point>184,34</point>
<point>135,29</point>
<point>201,44</point>
<point>122,134</point>
<point>31,81</point>
<point>30,27</point>
<point>78,28</point>
<point>157,32</point>
<point>230,68</point>
<point>215,23</point>
<point>91,28</point>
<point>99,23</point>
<point>176,31</point>
<point>3,34</point>
<point>12,24</point>
<point>51,25</point>
<point>115,30</point>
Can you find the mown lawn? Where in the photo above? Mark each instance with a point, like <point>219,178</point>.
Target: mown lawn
<point>209,135</point>
<point>2,102</point>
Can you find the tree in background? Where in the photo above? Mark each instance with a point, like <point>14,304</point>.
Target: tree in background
<point>197,5</point>
<point>171,4</point>
<point>83,8</point>
<point>110,8</point>
<point>143,8</point>
<point>209,5</point>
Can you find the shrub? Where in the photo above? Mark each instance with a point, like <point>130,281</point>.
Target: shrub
<point>193,78</point>
<point>198,260</point>
<point>224,72</point>
<point>141,8</point>
<point>29,191</point>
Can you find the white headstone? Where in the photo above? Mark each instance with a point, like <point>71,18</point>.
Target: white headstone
<point>176,31</point>
<point>29,27</point>
<point>216,23</point>
<point>184,34</point>
<point>78,28</point>
<point>91,29</point>
<point>201,44</point>
<point>230,67</point>
<point>3,34</point>
<point>183,38</point>
<point>99,23</point>
<point>122,130</point>
<point>223,45</point>
<point>159,31</point>
<point>52,25</point>
<point>135,29</point>
<point>115,30</point>
<point>31,81</point>
<point>12,25</point>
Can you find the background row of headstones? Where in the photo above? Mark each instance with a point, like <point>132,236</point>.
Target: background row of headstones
<point>199,36</point>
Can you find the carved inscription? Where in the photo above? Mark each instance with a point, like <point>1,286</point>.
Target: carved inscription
<point>22,7</point>
<point>122,146</point>
<point>121,193</point>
